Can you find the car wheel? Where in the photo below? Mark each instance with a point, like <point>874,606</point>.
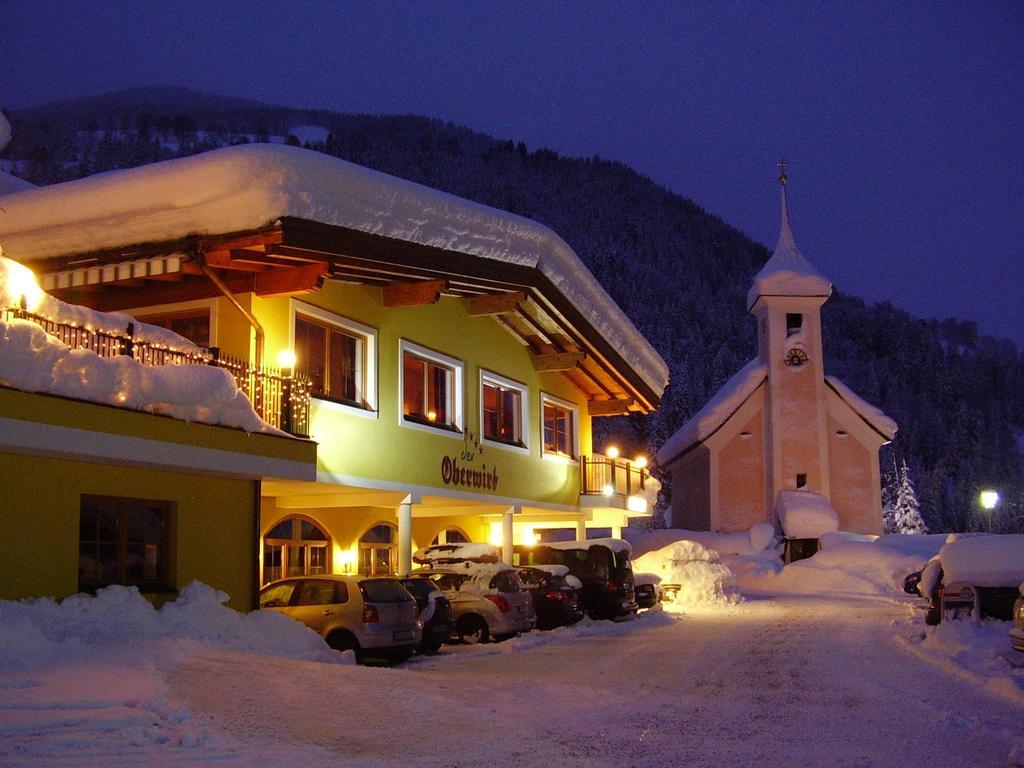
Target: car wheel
<point>472,630</point>
<point>397,657</point>
<point>343,641</point>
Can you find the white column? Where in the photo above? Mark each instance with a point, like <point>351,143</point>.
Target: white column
<point>616,531</point>
<point>405,536</point>
<point>581,529</point>
<point>506,534</point>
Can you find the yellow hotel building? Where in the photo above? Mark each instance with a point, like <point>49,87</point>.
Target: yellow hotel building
<point>444,359</point>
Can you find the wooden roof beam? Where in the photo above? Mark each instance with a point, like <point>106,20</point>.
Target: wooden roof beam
<point>557,361</point>
<point>411,294</point>
<point>495,303</point>
<point>616,407</point>
<point>290,280</point>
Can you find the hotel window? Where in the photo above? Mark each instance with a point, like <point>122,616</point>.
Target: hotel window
<point>123,541</point>
<point>296,546</point>
<point>450,536</point>
<point>338,355</point>
<point>561,428</point>
<point>503,412</point>
<point>431,388</point>
<point>378,551</point>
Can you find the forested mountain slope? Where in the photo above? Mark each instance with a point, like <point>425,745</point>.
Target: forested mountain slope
<point>679,272</point>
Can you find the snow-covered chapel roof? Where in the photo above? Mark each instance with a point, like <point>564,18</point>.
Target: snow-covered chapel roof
<point>787,272</point>
<point>243,188</point>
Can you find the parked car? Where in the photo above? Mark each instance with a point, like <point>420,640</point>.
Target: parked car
<point>435,612</point>
<point>555,600</point>
<point>602,565</point>
<point>1017,631</point>
<point>647,587</point>
<point>488,600</point>
<point>372,616</point>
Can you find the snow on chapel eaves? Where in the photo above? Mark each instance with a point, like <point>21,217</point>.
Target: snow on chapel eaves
<point>246,187</point>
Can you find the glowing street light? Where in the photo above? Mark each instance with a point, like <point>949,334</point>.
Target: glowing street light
<point>612,452</point>
<point>989,499</point>
<point>640,462</point>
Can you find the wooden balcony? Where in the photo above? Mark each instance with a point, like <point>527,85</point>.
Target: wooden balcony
<point>617,479</point>
<point>280,400</point>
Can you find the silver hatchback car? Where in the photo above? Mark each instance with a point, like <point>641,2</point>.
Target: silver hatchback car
<point>371,616</point>
<point>488,600</point>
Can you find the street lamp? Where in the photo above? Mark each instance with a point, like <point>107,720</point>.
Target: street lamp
<point>989,499</point>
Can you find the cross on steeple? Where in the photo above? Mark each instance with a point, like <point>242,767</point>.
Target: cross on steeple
<point>782,171</point>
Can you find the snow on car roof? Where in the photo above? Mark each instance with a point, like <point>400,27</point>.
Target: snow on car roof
<point>241,188</point>
<point>984,561</point>
<point>615,545</point>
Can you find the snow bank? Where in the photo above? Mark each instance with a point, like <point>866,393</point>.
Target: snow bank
<point>985,561</point>
<point>719,408</point>
<point>33,631</point>
<point>805,514</point>
<point>751,542</point>
<point>615,545</point>
<point>851,567</point>
<point>833,538</point>
<point>240,188</point>
<point>701,577</point>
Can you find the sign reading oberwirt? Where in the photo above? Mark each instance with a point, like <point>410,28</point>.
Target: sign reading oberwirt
<point>466,474</point>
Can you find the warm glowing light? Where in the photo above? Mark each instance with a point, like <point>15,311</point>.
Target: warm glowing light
<point>495,535</point>
<point>609,490</point>
<point>345,558</point>
<point>431,415</point>
<point>536,538</point>
<point>637,504</point>
<point>286,358</point>
<point>640,462</point>
<point>989,499</point>
<point>612,452</point>
<point>21,286</point>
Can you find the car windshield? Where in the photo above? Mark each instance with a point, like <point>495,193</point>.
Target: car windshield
<point>384,591</point>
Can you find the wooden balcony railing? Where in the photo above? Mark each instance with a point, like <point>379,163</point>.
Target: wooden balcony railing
<point>280,400</point>
<point>603,476</point>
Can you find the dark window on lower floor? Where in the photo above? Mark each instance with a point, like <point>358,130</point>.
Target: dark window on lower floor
<point>123,541</point>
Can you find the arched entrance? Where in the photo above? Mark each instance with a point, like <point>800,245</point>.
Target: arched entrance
<point>451,536</point>
<point>378,550</point>
<point>296,546</point>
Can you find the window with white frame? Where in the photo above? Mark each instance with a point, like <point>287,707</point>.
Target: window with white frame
<point>337,354</point>
<point>503,410</point>
<point>560,427</point>
<point>431,388</point>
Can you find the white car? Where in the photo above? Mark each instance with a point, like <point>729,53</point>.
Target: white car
<point>489,600</point>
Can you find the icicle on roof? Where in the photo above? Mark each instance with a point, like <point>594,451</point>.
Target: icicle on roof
<point>787,272</point>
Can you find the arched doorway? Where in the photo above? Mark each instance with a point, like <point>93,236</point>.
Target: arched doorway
<point>378,550</point>
<point>296,546</point>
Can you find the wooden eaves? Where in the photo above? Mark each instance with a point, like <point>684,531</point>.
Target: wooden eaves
<point>294,256</point>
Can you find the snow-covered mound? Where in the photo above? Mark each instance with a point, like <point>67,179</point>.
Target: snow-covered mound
<point>750,542</point>
<point>984,561</point>
<point>240,188</point>
<point>832,538</point>
<point>805,514</point>
<point>615,545</point>
<point>859,567</point>
<point>701,577</point>
<point>32,631</point>
<point>34,361</point>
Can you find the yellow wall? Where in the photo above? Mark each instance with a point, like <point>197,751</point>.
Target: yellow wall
<point>382,449</point>
<point>39,518</point>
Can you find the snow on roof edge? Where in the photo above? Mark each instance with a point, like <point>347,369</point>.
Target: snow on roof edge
<point>876,419</point>
<point>740,386</point>
<point>246,187</point>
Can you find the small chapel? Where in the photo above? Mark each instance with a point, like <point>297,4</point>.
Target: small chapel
<point>780,435</point>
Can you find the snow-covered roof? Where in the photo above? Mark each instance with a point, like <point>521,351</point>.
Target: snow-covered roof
<point>872,415</point>
<point>787,272</point>
<point>716,411</point>
<point>455,553</point>
<point>615,545</point>
<point>10,184</point>
<point>805,514</point>
<point>251,186</point>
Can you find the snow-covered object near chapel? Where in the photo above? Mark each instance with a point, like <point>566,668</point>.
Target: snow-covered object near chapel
<point>754,541</point>
<point>984,561</point>
<point>31,360</point>
<point>805,514</point>
<point>247,187</point>
<point>698,571</point>
<point>457,553</point>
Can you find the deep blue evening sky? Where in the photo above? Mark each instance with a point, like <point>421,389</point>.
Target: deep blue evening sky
<point>902,121</point>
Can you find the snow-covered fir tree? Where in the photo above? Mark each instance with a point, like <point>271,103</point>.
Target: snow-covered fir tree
<point>901,511</point>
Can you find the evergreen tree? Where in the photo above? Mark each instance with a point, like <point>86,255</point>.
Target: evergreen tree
<point>906,511</point>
